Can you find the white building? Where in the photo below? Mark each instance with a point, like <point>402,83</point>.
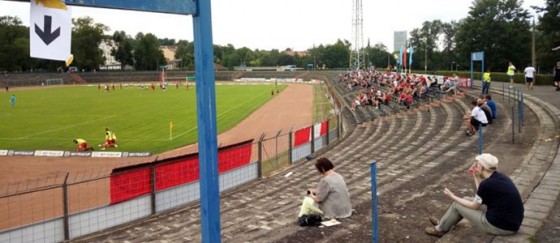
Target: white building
<point>110,63</point>
<point>399,40</point>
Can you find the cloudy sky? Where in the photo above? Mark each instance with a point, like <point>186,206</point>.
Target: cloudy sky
<point>272,24</point>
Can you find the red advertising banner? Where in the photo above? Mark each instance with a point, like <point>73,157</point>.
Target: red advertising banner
<point>302,136</point>
<point>130,184</point>
<point>177,173</point>
<point>234,156</point>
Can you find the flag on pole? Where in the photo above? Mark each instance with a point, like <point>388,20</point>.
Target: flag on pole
<point>410,50</point>
<point>400,56</point>
<point>170,130</point>
<point>405,57</point>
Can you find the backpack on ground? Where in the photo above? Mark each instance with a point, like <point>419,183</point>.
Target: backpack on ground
<point>310,220</point>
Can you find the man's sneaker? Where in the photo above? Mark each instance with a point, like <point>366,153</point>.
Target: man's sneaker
<point>434,221</point>
<point>469,133</point>
<point>433,231</point>
<point>116,146</point>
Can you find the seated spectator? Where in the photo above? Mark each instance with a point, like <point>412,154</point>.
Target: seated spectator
<point>446,84</point>
<point>504,208</point>
<point>453,87</point>
<point>490,103</point>
<point>364,99</point>
<point>487,111</point>
<point>475,119</point>
<point>406,100</point>
<point>332,193</point>
<point>356,102</point>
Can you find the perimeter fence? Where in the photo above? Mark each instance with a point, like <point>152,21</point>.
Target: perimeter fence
<point>70,205</point>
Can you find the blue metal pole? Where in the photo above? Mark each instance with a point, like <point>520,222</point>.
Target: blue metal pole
<point>482,73</point>
<point>373,170</point>
<point>519,111</point>
<point>206,122</point>
<point>472,70</point>
<point>512,124</point>
<point>479,139</point>
<point>509,93</point>
<point>503,91</point>
<point>522,110</point>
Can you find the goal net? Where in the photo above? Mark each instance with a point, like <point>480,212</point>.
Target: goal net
<point>55,81</point>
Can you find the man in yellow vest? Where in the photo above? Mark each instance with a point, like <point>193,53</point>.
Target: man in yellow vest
<point>511,72</point>
<point>486,79</point>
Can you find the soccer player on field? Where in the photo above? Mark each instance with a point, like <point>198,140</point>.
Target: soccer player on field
<point>13,100</point>
<point>110,139</point>
<point>82,145</point>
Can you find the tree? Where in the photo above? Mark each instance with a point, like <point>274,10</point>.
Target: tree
<point>424,43</point>
<point>500,28</point>
<point>285,59</point>
<point>147,55</point>
<point>230,59</point>
<point>14,45</point>
<point>378,56</point>
<point>337,55</point>
<point>549,34</point>
<point>86,37</point>
<point>123,51</point>
<point>245,54</point>
<point>167,42</point>
<point>185,52</point>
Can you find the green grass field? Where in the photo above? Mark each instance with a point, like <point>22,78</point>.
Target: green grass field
<point>49,119</point>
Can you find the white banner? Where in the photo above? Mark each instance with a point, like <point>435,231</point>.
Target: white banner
<point>106,154</point>
<point>49,153</point>
<point>50,30</point>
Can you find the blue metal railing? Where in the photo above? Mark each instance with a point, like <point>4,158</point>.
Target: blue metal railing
<point>373,170</point>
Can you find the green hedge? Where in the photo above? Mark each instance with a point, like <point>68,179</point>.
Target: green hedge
<point>497,76</point>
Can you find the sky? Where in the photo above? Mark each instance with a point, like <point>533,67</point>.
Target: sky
<point>272,24</point>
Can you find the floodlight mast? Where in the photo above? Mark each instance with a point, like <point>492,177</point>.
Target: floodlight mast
<point>205,93</point>
<point>356,56</point>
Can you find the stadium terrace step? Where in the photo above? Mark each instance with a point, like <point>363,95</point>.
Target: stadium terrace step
<point>77,79</point>
<point>418,152</point>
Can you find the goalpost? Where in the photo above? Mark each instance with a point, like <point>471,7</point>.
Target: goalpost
<point>54,81</point>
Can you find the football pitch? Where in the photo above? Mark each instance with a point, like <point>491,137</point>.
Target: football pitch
<point>143,120</point>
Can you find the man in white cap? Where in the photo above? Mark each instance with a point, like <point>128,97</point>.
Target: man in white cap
<point>504,208</point>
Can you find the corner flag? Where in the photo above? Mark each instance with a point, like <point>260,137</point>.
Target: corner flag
<point>170,130</point>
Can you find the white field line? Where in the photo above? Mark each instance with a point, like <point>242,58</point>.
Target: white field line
<point>218,116</point>
<point>129,139</point>
<point>62,128</point>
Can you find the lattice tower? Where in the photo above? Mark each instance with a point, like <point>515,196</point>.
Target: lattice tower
<point>356,52</point>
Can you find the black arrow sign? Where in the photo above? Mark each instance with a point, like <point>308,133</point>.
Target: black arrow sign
<point>46,35</point>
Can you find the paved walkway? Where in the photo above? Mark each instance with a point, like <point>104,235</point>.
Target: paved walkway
<point>542,207</point>
<point>538,177</point>
<point>418,152</point>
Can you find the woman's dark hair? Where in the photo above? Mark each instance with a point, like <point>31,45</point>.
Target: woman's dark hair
<point>323,165</point>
